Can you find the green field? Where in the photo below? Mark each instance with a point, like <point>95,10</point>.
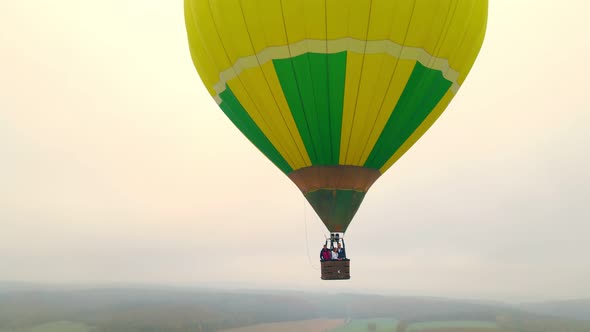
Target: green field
<point>61,326</point>
<point>382,325</point>
<point>389,324</point>
<point>464,324</point>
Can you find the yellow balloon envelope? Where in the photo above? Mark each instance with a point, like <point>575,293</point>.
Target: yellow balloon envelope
<point>334,92</point>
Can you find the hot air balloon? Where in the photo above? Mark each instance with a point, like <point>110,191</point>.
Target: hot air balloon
<point>334,92</point>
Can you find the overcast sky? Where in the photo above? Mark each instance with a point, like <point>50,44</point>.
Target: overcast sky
<point>116,165</point>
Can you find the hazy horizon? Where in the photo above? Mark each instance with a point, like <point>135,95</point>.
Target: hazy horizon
<point>117,166</point>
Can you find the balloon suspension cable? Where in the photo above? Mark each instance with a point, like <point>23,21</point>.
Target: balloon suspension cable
<point>306,238</point>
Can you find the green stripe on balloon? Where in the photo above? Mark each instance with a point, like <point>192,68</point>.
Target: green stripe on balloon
<point>424,90</point>
<point>313,85</point>
<point>237,114</point>
<point>335,207</point>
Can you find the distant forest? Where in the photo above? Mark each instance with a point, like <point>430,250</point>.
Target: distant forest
<point>172,309</point>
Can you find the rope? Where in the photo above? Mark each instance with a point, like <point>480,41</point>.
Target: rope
<point>306,237</point>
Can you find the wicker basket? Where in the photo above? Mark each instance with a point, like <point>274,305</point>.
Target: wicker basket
<point>336,270</point>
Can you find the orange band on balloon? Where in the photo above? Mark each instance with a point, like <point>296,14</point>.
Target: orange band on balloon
<point>343,177</point>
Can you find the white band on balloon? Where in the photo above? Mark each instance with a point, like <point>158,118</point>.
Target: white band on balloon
<point>334,46</point>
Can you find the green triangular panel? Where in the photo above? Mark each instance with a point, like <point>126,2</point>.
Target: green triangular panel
<point>313,85</point>
<point>335,207</point>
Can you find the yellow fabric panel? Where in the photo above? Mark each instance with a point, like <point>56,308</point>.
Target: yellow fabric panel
<point>427,24</point>
<point>254,95</point>
<point>314,18</point>
<point>304,20</point>
<point>359,11</point>
<point>338,12</point>
<point>265,23</point>
<point>206,67</point>
<point>288,122</point>
<point>464,51</point>
<point>400,18</point>
<point>206,32</point>
<point>354,63</point>
<point>358,20</point>
<point>293,13</point>
<point>228,18</point>
<point>449,29</point>
<point>454,34</point>
<point>377,71</point>
<point>427,123</point>
<point>403,71</point>
<point>381,19</point>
